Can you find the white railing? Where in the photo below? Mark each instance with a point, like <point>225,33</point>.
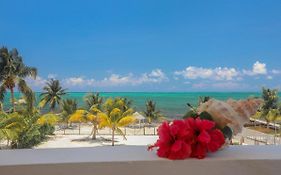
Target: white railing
<point>135,160</point>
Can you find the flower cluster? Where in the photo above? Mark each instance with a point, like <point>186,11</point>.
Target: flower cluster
<point>192,137</point>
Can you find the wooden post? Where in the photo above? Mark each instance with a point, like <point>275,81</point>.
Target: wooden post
<point>79,128</point>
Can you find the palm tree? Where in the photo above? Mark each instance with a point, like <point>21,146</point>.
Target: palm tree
<point>69,106</point>
<point>26,105</point>
<point>49,118</point>
<point>151,113</point>
<point>274,115</point>
<point>26,127</point>
<point>127,103</point>
<point>13,73</point>
<point>93,100</point>
<point>91,115</point>
<point>114,117</point>
<point>93,105</point>
<point>79,116</point>
<point>1,107</point>
<point>10,126</point>
<point>52,94</point>
<point>270,98</point>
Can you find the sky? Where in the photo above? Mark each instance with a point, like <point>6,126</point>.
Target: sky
<point>147,45</point>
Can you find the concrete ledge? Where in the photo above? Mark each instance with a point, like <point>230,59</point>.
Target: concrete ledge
<point>128,160</point>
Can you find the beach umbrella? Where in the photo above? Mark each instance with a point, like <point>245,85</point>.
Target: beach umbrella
<point>139,117</point>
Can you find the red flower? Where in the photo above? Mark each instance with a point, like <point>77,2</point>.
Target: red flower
<point>208,139</point>
<point>173,142</point>
<point>188,138</point>
<point>217,140</point>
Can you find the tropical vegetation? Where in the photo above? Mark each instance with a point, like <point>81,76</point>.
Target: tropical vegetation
<point>93,100</point>
<point>192,111</point>
<point>52,94</point>
<point>13,73</point>
<point>68,107</point>
<point>116,114</point>
<point>270,111</point>
<point>93,105</point>
<point>25,125</point>
<point>151,113</point>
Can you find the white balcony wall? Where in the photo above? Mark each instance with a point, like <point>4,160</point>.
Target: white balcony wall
<point>136,160</point>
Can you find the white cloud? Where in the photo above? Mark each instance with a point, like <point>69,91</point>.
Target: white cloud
<point>78,81</point>
<point>257,69</point>
<point>39,82</point>
<point>194,77</point>
<point>276,72</point>
<point>218,73</point>
<point>155,76</point>
<point>116,80</point>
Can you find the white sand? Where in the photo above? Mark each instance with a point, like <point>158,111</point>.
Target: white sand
<point>135,136</point>
<point>73,139</point>
<point>68,141</point>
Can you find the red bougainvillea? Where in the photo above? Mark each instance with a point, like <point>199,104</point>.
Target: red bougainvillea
<point>188,138</point>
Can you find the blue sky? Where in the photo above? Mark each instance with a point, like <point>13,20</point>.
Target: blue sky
<point>148,45</point>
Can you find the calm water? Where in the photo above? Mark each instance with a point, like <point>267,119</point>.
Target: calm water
<point>170,104</point>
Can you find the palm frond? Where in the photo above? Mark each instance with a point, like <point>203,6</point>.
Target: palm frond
<point>48,118</point>
<point>104,120</point>
<point>78,116</point>
<point>52,93</point>
<point>126,121</point>
<point>119,131</point>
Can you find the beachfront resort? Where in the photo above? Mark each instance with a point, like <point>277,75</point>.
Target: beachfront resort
<point>140,87</point>
<point>53,121</point>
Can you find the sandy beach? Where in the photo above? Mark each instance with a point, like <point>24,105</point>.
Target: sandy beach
<point>134,134</point>
<point>72,138</point>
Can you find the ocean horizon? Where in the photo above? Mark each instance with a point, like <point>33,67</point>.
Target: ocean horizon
<point>171,104</point>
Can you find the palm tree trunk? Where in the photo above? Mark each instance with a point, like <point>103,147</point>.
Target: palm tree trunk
<point>13,99</point>
<point>113,132</point>
<point>94,137</point>
<point>274,133</point>
<point>64,128</point>
<point>79,128</point>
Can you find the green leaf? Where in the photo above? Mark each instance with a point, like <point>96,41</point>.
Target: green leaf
<point>205,115</point>
<point>227,132</point>
<point>190,113</point>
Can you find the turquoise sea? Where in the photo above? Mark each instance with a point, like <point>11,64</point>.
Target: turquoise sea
<point>171,104</point>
